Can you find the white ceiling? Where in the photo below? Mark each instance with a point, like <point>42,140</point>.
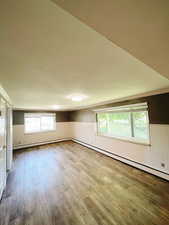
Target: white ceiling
<point>47,54</point>
<point>139,26</point>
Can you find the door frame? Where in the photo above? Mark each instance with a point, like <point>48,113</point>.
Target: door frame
<point>3,106</point>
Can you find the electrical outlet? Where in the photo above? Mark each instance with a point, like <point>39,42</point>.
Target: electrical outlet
<point>163,165</point>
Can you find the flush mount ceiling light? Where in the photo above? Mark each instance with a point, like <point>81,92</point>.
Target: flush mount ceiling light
<point>56,106</point>
<point>77,97</point>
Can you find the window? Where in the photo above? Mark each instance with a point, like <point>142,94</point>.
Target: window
<point>126,122</point>
<point>39,122</point>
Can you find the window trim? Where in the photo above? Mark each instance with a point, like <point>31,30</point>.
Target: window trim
<point>126,108</point>
<point>39,115</point>
<point>130,140</point>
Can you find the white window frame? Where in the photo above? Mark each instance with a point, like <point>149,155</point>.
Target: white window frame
<point>39,115</point>
<point>141,107</point>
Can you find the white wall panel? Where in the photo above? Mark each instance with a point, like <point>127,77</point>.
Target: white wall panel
<point>159,150</point>
<point>63,130</point>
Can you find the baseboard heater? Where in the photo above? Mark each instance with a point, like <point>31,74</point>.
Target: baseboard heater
<point>140,166</point>
<point>40,143</point>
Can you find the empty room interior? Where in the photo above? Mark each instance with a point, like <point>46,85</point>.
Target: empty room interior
<point>84,112</point>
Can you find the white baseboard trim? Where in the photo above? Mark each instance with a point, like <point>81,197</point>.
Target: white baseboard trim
<point>127,161</point>
<point>40,143</point>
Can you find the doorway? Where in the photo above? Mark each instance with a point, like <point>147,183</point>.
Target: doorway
<point>3,147</point>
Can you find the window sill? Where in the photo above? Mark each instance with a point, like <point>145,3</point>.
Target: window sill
<point>39,132</point>
<point>134,141</point>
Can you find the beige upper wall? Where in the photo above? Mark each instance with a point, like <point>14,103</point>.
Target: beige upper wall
<point>47,54</point>
<point>139,26</point>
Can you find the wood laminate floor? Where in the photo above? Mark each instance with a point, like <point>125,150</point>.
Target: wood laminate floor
<point>68,184</point>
